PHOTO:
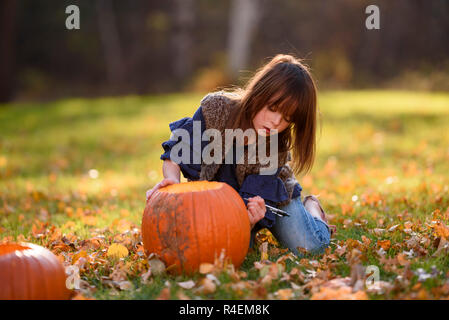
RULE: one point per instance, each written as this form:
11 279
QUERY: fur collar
217 108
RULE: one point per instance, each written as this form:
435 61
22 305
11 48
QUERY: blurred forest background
158 46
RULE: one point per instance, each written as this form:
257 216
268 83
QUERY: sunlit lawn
79 169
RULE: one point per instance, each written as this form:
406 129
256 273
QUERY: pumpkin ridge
243 224
8 268
198 247
36 263
18 269
236 206
26 276
57 273
227 230
159 235
181 256
212 215
42 269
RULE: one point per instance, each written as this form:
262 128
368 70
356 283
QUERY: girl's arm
171 173
171 170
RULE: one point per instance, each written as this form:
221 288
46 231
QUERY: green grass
392 145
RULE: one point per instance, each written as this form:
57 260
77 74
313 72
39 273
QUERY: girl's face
267 119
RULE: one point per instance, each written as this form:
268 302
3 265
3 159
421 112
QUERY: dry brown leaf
284 294
391 229
182 296
357 277
441 230
207 286
342 293
443 247
384 244
164 294
206 268
157 266
117 250
408 225
81 254
119 274
145 276
266 280
402 260
378 231
126 285
263 248
186 284
366 241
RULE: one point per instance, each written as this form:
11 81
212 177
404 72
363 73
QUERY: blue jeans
300 229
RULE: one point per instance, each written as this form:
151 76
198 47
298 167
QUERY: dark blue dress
269 187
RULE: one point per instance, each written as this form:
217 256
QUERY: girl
280 96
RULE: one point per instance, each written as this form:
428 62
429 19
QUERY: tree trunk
110 42
182 42
7 48
244 17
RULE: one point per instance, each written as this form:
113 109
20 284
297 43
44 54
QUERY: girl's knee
322 241
318 243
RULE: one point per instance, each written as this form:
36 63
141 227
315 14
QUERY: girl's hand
163 183
256 209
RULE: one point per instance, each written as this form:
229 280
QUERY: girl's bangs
287 104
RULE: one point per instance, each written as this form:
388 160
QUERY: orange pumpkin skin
31 272
189 223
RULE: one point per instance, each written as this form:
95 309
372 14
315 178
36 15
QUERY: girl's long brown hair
289 79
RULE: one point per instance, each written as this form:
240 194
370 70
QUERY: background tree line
139 47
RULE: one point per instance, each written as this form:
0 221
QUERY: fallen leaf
266 280
117 250
343 293
206 268
378 231
391 229
207 286
402 260
408 225
443 247
81 254
126 285
164 294
187 284
263 251
379 287
157 267
213 278
182 296
441 230
119 273
284 294
145 276
384 244
366 241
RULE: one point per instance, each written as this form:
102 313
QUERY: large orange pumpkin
31 272
189 223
